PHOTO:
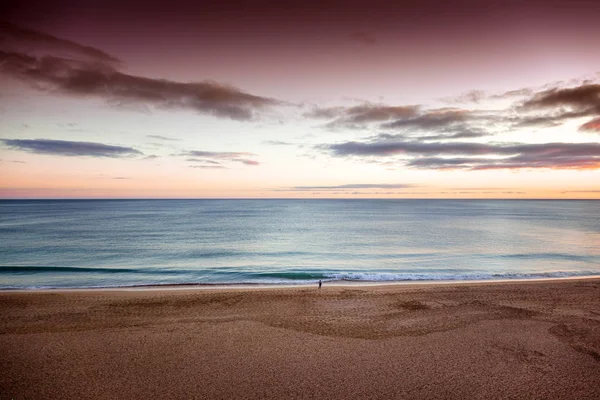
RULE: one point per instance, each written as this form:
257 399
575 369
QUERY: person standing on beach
320 283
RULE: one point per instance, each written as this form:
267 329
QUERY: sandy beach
469 341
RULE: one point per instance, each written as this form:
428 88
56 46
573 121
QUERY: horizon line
294 198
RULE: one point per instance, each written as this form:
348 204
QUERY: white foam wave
391 277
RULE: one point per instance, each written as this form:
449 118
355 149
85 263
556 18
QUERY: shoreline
266 286
525 339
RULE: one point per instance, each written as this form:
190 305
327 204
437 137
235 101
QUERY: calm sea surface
91 243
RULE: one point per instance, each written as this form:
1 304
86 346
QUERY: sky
281 99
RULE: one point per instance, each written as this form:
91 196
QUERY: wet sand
458 341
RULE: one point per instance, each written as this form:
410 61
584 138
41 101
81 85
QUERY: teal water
106 243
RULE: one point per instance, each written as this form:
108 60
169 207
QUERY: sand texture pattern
533 340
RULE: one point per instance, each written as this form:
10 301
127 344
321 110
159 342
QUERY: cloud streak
477 96
591 126
100 78
583 98
28 41
532 109
434 119
69 148
159 137
475 156
208 166
216 158
557 105
431 139
358 116
348 186
444 123
410 120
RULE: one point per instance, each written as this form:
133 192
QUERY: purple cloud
358 116
93 73
218 157
475 156
69 148
27 41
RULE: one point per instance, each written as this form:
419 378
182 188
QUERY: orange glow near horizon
326 102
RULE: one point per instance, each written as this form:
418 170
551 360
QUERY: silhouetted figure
320 283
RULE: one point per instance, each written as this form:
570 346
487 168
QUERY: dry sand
470 341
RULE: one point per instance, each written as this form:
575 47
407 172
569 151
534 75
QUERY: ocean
115 243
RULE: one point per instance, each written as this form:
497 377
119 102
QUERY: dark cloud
349 186
68 148
468 149
218 157
375 112
80 76
548 107
358 116
363 37
433 119
581 98
445 123
84 79
434 124
547 120
517 162
555 106
20 40
476 156
390 148
545 108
